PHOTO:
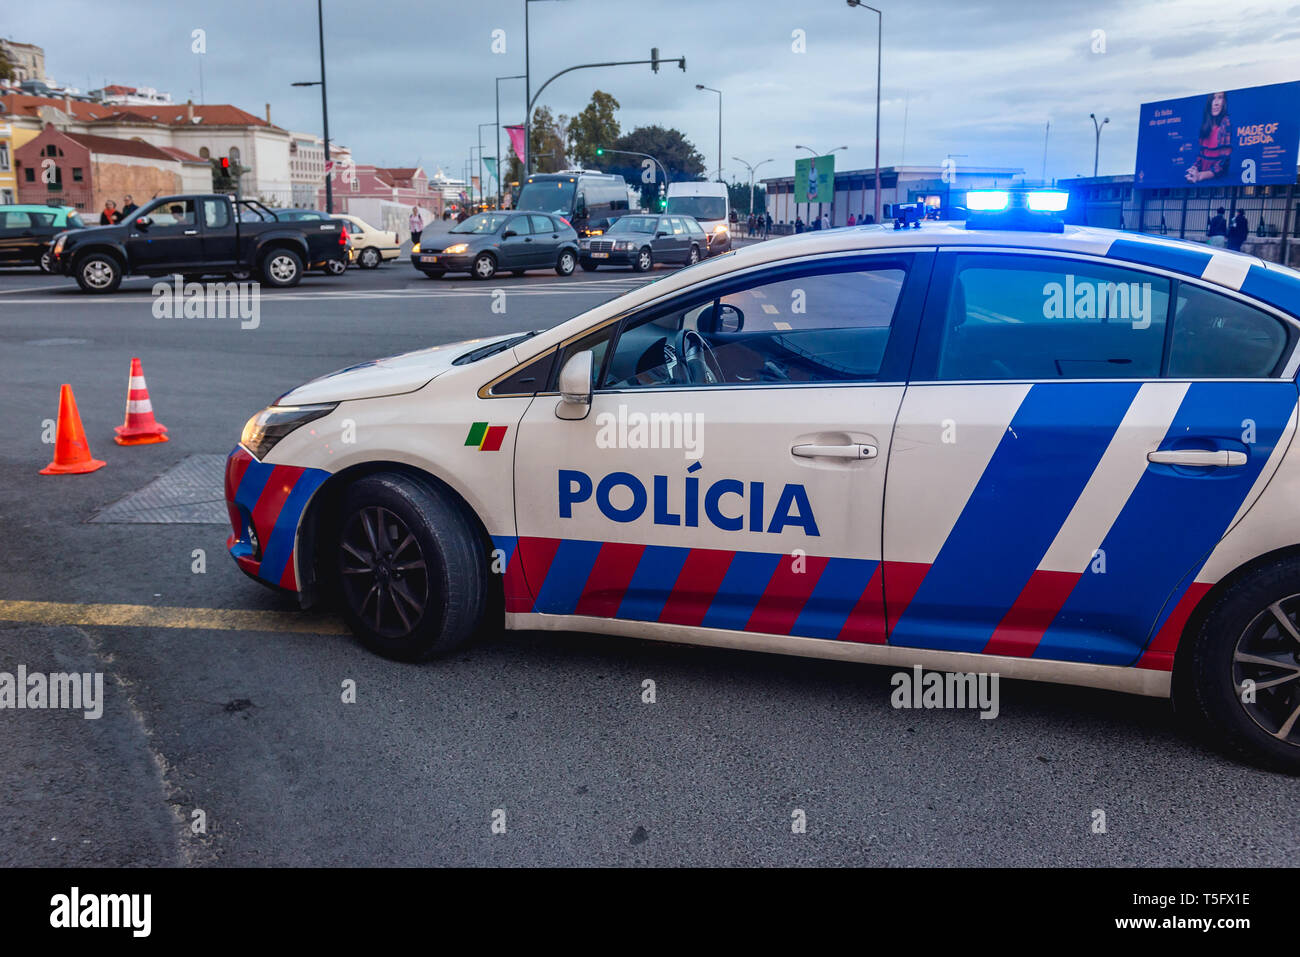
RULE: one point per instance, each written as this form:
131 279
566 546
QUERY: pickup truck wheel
485 266
45 263
281 268
567 262
369 258
99 272
411 571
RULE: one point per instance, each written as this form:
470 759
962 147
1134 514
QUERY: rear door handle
191 232
854 451
1220 457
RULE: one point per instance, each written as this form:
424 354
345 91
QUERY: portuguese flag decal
487 438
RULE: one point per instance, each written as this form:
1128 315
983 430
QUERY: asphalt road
248 726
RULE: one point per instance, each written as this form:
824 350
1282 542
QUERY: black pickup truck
207 234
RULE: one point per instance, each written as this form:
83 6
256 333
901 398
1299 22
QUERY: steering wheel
700 362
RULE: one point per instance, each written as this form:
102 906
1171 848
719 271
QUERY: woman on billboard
1215 139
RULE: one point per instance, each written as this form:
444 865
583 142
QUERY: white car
371 246
1055 453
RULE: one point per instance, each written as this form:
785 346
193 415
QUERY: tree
594 127
739 193
678 155
547 138
6 68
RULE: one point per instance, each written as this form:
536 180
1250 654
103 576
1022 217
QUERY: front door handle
854 451
1220 457
191 232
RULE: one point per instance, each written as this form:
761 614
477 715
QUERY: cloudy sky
410 81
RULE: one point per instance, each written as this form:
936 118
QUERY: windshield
555 196
634 224
701 207
482 223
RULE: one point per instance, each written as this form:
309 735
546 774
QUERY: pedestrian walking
767 225
110 216
798 224
1217 233
826 220
1238 232
416 224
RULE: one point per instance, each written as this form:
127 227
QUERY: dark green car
27 231
488 243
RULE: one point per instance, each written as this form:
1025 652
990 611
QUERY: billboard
1225 138
814 179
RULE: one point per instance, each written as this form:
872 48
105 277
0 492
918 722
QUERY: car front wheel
411 570
99 273
1238 681
485 266
644 261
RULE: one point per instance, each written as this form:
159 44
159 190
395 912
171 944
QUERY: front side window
634 224
831 326
1217 337
482 223
178 212
1043 317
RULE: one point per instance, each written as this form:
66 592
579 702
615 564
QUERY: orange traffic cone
139 427
71 451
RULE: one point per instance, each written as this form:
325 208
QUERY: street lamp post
1096 152
481 194
324 109
880 31
751 178
517 76
701 86
528 83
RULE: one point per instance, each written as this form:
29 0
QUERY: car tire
369 258
410 568
644 261
566 263
484 267
1209 674
99 273
335 267
46 263
694 256
588 266
281 268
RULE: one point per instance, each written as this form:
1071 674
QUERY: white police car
1055 453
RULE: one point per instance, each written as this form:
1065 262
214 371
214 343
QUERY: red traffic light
225 162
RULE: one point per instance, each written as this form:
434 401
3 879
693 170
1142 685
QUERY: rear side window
542 224
216 213
1217 337
1042 317
15 221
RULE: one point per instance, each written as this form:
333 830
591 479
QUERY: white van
710 204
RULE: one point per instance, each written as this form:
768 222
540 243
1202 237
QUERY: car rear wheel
567 262
1238 681
282 268
644 261
485 266
694 256
99 273
411 570
369 258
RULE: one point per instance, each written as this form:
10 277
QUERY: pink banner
517 140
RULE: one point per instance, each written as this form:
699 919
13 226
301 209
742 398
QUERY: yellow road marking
155 616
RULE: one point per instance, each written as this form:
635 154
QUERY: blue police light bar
1016 209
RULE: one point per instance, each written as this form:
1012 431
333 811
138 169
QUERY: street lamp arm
681 61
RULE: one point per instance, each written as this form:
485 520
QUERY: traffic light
654 59
663 200
225 164
600 151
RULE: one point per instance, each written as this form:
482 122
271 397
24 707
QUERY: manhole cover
190 492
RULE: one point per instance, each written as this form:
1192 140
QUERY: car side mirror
143 222
508 234
730 319
660 235
575 386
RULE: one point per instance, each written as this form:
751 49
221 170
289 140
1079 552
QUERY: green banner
491 163
814 179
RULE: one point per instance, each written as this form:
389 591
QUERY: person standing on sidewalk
416 224
1238 231
1217 233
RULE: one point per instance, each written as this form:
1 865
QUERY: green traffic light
600 151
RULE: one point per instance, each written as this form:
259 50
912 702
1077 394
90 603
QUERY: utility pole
701 86
1096 153
880 31
517 76
324 108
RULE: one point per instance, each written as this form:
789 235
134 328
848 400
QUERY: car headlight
58 243
273 423
625 244
458 248
415 248
584 243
